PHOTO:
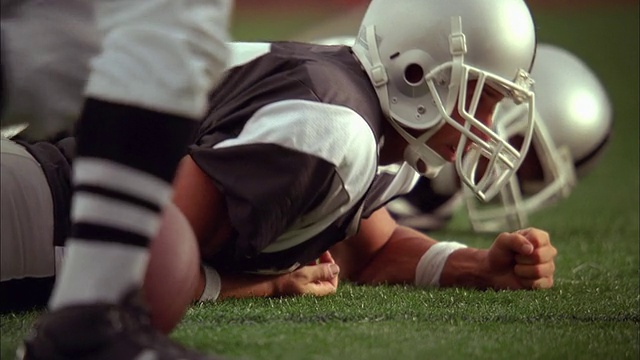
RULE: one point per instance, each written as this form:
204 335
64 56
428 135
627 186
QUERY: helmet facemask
429 104
522 196
503 159
573 124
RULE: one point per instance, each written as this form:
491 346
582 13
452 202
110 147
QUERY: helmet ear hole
421 166
413 74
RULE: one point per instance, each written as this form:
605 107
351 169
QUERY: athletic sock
159 60
122 180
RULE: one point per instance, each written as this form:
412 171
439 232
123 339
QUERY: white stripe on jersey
123 179
405 178
241 53
334 133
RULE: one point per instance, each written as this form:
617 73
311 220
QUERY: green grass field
591 313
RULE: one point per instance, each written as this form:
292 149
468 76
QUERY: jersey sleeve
290 158
266 187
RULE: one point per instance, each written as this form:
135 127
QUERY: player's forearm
247 285
463 268
239 286
397 263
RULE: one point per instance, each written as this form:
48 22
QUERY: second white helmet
574 120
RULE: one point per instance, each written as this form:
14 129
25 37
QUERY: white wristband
432 262
212 284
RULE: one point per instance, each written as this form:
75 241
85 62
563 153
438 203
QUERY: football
173 271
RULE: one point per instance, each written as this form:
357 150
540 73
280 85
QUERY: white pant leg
27 216
46 49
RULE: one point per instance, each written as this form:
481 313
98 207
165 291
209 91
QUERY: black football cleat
102 332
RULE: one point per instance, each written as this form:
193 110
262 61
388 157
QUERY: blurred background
592 313
284 18
603 33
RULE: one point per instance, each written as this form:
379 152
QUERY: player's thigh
27 220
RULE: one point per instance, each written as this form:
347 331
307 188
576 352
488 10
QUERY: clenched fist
523 259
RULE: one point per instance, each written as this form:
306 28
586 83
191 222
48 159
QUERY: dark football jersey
292 139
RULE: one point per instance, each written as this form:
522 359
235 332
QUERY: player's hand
523 259
317 279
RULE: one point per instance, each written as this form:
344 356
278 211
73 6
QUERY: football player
158 60
574 121
304 145
288 162
36 199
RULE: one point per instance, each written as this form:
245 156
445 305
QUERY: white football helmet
573 123
420 56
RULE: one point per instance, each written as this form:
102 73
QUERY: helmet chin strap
418 155
433 162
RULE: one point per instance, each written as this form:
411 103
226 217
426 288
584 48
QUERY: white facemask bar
513 209
504 159
496 149
515 205
494 218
